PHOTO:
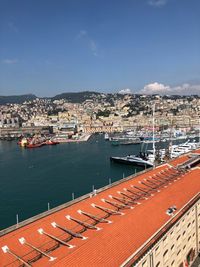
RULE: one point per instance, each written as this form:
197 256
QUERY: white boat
177 150
133 160
106 136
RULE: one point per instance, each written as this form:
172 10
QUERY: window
157 250
165 241
158 264
165 256
178 226
165 253
178 252
178 239
190 255
172 264
172 247
189 238
188 225
144 264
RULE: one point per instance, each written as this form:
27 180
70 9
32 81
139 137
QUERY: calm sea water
30 179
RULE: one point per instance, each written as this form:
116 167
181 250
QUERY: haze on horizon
142 46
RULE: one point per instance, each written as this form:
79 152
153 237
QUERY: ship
125 141
35 142
140 160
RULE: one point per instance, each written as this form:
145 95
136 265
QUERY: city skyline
148 46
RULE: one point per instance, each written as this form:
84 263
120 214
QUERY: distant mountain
77 97
80 97
17 99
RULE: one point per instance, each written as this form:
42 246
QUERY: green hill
77 97
17 99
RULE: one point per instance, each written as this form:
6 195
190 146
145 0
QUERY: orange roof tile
179 160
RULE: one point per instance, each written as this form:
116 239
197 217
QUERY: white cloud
157 3
9 61
91 43
81 34
159 88
187 89
154 88
125 91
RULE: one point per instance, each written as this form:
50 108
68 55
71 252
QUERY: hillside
18 99
77 97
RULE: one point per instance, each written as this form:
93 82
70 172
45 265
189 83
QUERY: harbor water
32 178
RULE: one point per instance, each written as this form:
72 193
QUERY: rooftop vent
170 210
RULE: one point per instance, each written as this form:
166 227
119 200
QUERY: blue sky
53 46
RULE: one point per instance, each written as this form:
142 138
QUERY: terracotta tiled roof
133 211
179 160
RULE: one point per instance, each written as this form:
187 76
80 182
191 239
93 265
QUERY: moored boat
106 136
125 141
133 160
51 142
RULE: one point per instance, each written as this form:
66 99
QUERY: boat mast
199 130
154 149
170 139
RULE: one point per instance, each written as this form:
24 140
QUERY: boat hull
131 162
51 143
33 145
